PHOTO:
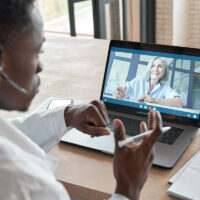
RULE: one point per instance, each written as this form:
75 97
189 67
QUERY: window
56 16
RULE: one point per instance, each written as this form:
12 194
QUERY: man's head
21 35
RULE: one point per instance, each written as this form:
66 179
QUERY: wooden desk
74 69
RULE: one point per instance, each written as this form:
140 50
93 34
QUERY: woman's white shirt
139 86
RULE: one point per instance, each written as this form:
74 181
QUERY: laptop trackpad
76 137
103 143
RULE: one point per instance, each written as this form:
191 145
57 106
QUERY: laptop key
170 136
132 127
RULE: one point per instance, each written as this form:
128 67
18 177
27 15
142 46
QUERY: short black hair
14 16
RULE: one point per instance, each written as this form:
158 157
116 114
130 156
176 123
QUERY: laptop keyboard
133 128
170 136
132 125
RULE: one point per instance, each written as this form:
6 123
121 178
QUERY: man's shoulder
6 147
10 154
26 172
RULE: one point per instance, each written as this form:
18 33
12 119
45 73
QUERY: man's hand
147 98
91 118
133 162
120 92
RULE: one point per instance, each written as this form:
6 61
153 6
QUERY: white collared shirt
26 171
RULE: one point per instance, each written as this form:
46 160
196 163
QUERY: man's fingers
96 131
150 140
150 119
105 110
119 131
94 117
102 110
158 121
143 127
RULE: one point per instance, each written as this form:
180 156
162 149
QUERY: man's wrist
126 190
67 115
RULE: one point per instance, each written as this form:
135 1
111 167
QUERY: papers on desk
186 182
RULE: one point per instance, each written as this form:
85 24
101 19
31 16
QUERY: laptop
128 63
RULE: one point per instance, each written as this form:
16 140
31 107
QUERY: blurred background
173 22
170 22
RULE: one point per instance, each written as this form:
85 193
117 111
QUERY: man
25 170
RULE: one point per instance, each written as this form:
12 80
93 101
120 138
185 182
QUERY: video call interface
151 80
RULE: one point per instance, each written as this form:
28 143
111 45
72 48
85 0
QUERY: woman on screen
153 88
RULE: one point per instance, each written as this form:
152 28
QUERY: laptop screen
153 77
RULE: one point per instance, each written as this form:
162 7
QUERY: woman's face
157 69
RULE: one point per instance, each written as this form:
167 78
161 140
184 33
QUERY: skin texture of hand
147 98
120 92
91 118
133 162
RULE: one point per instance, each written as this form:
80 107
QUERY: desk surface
74 69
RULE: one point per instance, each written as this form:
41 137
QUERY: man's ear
1 54
1 60
1 50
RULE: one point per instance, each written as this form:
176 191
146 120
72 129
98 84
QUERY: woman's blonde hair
164 78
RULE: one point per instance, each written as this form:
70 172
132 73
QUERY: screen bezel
156 48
